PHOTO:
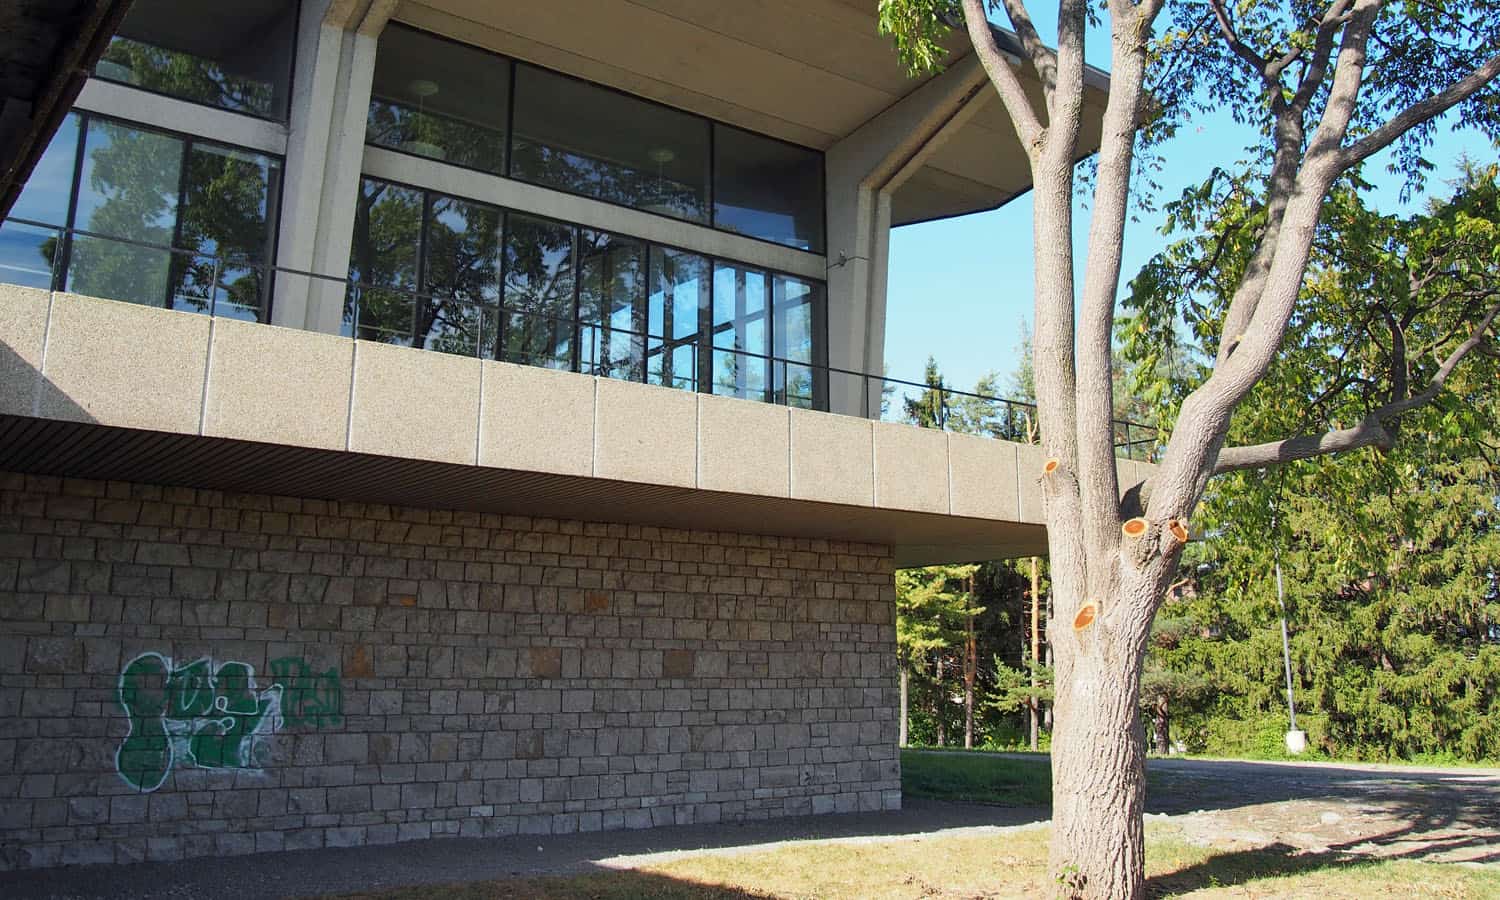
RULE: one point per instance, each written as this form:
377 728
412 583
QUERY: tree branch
1028 127
1041 55
1231 37
1419 112
1371 431
1130 31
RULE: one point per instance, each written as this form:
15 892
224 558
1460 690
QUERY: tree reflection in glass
383 263
128 189
460 307
612 305
31 253
585 139
235 56
538 320
679 296
798 309
439 99
228 198
739 334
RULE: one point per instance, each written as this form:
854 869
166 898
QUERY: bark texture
1311 94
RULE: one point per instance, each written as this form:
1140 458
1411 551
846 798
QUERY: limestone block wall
188 672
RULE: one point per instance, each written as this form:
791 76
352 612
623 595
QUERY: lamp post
1296 739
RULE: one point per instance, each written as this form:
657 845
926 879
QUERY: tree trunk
940 701
1033 703
905 715
1047 709
1162 725
1098 765
971 668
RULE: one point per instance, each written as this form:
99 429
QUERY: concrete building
449 418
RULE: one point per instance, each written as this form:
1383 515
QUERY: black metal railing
455 322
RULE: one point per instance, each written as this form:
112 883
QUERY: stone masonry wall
187 672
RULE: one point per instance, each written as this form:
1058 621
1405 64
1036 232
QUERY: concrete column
325 150
864 169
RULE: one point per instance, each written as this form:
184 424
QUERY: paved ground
1440 814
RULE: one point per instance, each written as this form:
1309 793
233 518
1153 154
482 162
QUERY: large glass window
236 56
587 139
449 102
146 217
680 298
739 333
439 99
429 270
424 270
612 305
30 240
768 189
799 312
540 313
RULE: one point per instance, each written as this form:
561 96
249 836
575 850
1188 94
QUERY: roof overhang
47 49
806 71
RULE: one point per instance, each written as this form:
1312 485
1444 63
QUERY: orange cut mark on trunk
1085 616
1179 530
1134 528
1051 465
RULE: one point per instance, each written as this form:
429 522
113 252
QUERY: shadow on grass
605 885
1241 866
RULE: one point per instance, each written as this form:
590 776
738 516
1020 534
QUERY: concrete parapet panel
538 420
982 477
278 385
1029 461
911 468
645 433
414 403
124 364
743 447
23 328
832 458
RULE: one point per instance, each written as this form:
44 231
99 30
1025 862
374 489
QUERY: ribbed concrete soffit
82 450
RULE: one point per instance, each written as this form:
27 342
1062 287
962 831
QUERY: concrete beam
864 169
565 440
334 70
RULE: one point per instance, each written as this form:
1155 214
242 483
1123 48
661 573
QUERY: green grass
953 866
976 778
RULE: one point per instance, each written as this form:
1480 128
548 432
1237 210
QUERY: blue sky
960 289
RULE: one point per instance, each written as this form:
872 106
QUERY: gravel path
1440 814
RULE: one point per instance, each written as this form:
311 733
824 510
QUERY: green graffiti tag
212 718
308 698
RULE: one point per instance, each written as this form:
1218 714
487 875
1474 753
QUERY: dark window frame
291 82
702 338
713 127
64 259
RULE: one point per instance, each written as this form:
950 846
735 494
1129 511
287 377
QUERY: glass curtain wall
680 298
540 322
129 213
461 105
438 272
439 99
235 56
424 270
586 139
768 189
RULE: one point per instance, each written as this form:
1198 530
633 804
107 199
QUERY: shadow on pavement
447 860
